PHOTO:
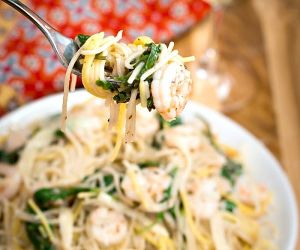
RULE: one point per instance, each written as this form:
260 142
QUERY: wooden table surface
241 36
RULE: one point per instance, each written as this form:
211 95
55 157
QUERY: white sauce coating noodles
172 188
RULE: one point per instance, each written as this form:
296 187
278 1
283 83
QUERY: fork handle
37 20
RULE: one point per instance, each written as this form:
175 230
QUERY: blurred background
247 56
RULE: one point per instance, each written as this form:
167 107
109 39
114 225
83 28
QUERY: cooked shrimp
204 197
107 227
170 89
183 136
187 137
250 192
153 180
11 181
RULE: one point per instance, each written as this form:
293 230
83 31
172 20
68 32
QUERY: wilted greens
82 38
10 157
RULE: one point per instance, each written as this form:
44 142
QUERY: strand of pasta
66 87
43 220
120 131
110 41
201 238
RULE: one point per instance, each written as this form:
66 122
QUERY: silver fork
63 46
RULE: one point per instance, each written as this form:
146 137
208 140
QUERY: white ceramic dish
261 164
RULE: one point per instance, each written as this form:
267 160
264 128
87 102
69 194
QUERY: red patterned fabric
29 67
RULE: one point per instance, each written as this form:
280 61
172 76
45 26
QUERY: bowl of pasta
197 182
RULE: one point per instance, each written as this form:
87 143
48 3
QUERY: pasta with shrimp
144 72
175 187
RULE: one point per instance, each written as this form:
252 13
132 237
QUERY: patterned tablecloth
29 68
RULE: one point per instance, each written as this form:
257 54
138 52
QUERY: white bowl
261 163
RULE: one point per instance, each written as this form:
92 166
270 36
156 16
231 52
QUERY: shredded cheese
144 93
108 41
205 172
201 238
43 219
137 187
150 238
188 59
159 241
251 211
135 72
142 40
230 217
